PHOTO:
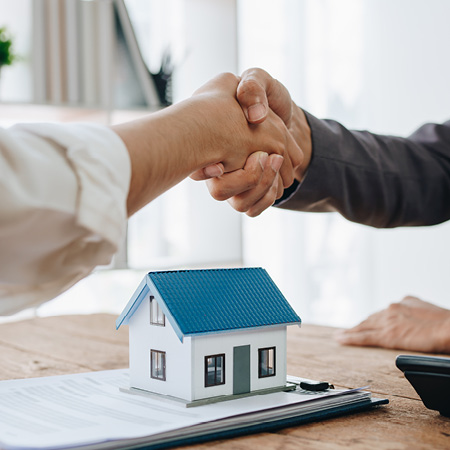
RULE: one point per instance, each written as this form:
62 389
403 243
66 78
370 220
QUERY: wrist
183 134
301 131
199 119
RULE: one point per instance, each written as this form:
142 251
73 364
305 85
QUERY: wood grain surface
71 344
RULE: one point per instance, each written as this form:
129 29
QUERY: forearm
382 181
164 148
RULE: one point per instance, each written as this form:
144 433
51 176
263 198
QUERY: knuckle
255 73
275 147
238 205
253 213
220 195
248 89
216 191
394 309
227 76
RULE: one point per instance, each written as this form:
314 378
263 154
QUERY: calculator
430 377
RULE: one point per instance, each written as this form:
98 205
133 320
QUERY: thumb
211 171
257 91
251 95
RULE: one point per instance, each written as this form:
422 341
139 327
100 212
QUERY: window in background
351 61
15 81
185 226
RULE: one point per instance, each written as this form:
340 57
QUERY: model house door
241 369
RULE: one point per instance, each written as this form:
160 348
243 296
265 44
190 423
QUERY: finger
251 95
369 324
363 338
254 201
265 202
253 82
280 187
241 180
212 171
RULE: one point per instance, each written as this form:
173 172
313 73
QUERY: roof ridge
219 269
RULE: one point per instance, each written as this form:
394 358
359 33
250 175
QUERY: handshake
265 137
244 135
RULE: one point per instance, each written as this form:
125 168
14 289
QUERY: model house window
156 315
214 370
158 365
266 362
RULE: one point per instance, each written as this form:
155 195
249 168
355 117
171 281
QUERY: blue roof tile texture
206 301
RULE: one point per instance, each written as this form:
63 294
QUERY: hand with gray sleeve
376 180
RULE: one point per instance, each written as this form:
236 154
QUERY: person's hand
209 128
412 325
259 94
229 130
254 173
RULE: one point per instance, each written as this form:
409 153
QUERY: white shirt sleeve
63 191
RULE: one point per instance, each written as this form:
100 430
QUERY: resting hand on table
412 325
257 186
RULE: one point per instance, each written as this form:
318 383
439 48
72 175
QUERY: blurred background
380 65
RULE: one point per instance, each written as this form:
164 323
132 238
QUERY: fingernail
277 161
213 171
256 112
263 159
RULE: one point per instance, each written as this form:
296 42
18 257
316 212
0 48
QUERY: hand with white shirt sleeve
67 189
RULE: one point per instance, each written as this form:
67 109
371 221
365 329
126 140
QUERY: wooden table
70 344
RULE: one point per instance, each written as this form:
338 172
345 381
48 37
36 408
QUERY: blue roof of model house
215 300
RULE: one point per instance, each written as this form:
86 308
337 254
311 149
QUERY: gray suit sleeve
381 181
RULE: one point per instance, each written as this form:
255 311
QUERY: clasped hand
256 185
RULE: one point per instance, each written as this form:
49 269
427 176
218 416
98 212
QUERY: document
88 410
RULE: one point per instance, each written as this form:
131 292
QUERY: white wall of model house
185 361
145 337
225 343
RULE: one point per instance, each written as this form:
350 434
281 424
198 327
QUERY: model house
208 334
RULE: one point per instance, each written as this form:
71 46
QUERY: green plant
7 55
